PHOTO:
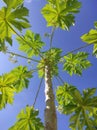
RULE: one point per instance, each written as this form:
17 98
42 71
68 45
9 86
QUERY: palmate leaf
76 63
81 120
51 58
31 44
13 14
12 82
63 94
83 108
60 13
7 89
91 38
28 120
22 77
64 98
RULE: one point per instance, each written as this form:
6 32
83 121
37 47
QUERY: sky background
67 40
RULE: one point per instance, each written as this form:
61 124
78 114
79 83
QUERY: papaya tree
46 60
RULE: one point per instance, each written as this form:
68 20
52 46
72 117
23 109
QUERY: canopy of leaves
7 89
22 77
12 15
82 107
75 63
60 13
28 120
91 38
31 43
51 59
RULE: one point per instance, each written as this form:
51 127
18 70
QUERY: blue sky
67 40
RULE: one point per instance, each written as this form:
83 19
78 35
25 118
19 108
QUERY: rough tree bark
50 110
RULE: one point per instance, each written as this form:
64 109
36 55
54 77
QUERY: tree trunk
50 110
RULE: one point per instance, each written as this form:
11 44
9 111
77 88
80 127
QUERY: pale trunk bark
50 110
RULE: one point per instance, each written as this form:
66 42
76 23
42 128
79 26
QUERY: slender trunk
50 110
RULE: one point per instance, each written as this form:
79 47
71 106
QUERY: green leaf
9 40
95 24
13 15
51 58
28 120
14 3
91 38
77 97
3 47
95 50
31 44
89 122
89 92
65 99
83 107
60 13
19 21
81 119
5 31
63 94
7 89
22 77
12 82
77 121
76 63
